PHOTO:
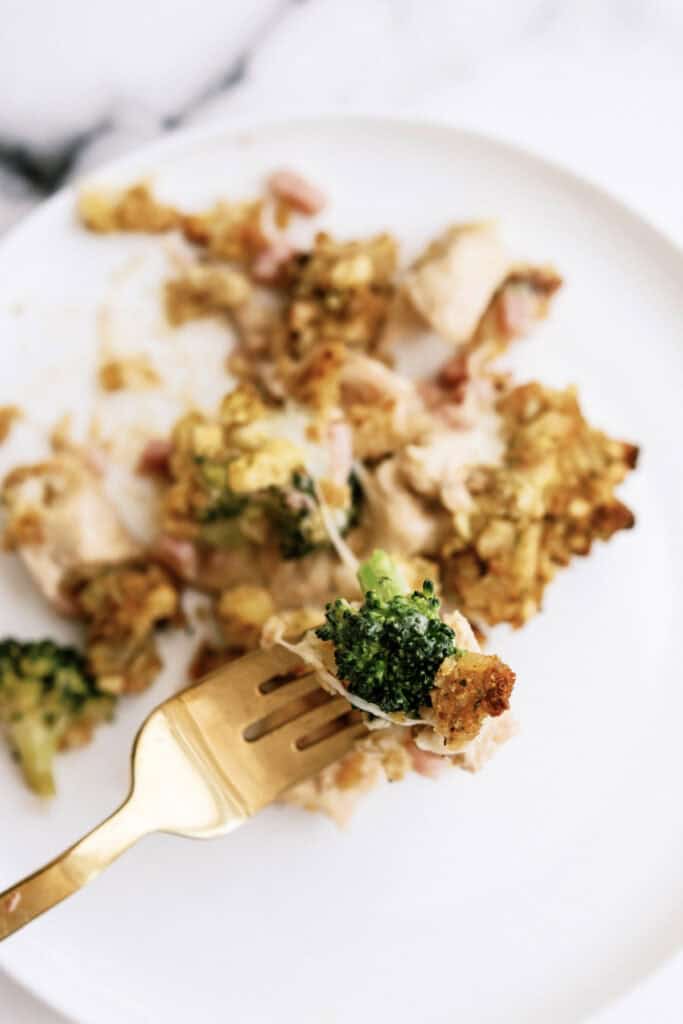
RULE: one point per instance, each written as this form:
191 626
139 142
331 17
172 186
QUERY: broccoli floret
294 513
388 651
222 503
48 700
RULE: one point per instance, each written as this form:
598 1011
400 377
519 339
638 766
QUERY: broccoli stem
36 746
381 575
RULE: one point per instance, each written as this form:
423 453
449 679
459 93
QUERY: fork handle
71 870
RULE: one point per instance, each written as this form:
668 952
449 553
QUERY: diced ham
179 555
519 304
425 763
268 264
517 311
340 445
295 190
154 458
95 458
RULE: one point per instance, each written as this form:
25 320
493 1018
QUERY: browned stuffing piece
553 495
205 289
121 606
134 209
470 687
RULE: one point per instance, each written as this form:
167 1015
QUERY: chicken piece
268 266
401 520
519 304
312 580
336 790
122 605
58 519
437 467
385 410
452 282
202 290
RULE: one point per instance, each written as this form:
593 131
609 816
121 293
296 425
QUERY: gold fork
203 763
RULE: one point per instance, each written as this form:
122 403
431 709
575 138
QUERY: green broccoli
294 513
48 700
221 502
388 651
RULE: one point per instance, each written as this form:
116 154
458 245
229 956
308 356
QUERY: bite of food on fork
266 722
203 763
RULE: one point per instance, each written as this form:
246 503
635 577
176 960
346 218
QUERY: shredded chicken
520 303
58 519
384 409
452 282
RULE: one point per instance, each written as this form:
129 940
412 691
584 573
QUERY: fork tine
301 686
307 723
236 686
317 757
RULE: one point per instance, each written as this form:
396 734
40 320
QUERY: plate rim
231 127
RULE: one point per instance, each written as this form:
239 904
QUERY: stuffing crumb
134 209
129 373
122 605
204 290
550 499
8 415
242 612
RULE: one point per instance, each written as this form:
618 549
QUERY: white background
595 84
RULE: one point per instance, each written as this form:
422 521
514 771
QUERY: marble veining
596 86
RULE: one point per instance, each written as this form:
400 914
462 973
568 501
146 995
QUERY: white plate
536 891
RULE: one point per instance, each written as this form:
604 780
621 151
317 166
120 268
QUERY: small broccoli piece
389 650
294 513
221 502
48 701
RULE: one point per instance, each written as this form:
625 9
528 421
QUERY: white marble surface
595 85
